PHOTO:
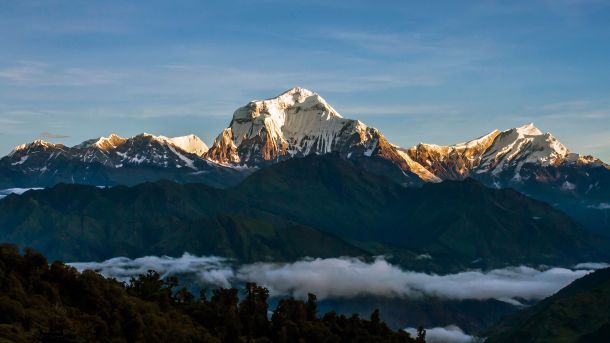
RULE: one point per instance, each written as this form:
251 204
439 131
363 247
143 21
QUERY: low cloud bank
601 206
347 278
210 270
448 334
350 277
592 265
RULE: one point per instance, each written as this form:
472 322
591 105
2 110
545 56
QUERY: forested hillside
55 303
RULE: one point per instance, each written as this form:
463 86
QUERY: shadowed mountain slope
578 313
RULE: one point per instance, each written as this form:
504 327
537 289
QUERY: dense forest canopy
41 302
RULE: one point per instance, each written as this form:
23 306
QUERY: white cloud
423 45
346 278
208 270
592 265
38 74
448 334
50 135
350 277
566 105
601 206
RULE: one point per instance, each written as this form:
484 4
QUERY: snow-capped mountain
298 123
517 147
161 151
117 152
498 154
112 160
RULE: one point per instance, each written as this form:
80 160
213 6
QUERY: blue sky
439 72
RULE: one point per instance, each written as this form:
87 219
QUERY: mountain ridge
300 123
113 160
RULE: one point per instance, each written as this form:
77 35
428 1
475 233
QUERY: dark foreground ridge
55 303
578 313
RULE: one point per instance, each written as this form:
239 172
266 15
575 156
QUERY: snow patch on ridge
190 143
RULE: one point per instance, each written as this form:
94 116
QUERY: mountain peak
297 91
189 143
297 122
522 145
497 152
110 142
528 130
293 122
39 143
294 101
